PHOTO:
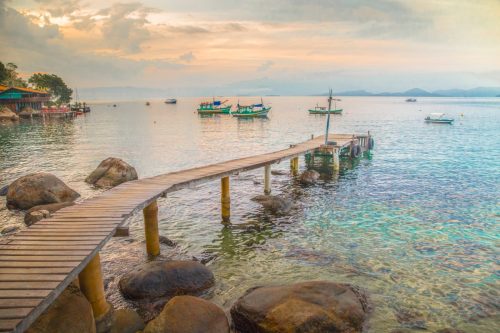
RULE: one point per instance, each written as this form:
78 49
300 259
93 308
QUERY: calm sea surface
416 224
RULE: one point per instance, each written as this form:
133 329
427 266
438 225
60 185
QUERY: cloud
265 66
59 8
187 57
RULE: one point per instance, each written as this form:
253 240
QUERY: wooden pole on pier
151 229
225 199
267 179
91 285
294 164
336 160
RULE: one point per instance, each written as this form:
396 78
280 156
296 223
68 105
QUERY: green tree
54 85
10 77
3 73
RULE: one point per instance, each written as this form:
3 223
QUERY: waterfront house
17 98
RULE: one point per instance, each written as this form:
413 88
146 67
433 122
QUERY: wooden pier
38 263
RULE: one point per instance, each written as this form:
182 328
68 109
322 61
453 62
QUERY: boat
411 100
252 110
79 107
170 101
438 118
323 110
148 104
214 107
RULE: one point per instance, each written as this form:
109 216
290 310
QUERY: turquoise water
416 224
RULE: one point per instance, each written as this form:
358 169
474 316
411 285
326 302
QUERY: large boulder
70 312
309 177
38 189
35 216
7 115
166 278
308 307
111 172
188 314
51 208
126 321
275 204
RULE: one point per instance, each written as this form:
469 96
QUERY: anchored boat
252 111
170 101
411 100
438 118
323 110
214 107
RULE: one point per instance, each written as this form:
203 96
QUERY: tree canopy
10 77
54 85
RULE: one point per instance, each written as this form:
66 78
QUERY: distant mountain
416 92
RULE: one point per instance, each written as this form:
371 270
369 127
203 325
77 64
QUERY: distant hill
416 92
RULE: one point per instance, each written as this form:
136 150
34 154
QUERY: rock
188 314
309 177
279 172
3 191
38 189
111 172
410 319
308 307
28 112
166 278
275 204
51 208
167 241
449 330
126 321
401 330
10 229
35 216
7 115
70 312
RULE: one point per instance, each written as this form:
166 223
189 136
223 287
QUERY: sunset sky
256 46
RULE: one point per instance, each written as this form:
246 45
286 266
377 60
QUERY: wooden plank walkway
38 263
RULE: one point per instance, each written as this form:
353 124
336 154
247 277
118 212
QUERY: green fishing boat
323 110
214 107
252 111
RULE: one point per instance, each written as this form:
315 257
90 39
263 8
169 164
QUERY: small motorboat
438 118
411 100
148 104
252 111
170 101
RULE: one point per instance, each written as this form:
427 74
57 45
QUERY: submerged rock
126 321
38 189
308 307
166 278
112 172
167 241
449 330
35 216
275 204
4 190
279 172
7 115
70 312
309 177
188 314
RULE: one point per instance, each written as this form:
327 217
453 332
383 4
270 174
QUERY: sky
258 47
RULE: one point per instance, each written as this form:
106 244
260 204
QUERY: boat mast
328 117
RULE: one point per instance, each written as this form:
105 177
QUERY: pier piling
294 164
225 199
151 228
267 179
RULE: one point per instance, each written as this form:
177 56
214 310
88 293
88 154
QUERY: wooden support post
92 287
225 199
294 164
267 179
336 160
151 229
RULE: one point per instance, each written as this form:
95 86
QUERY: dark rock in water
162 278
309 177
70 312
35 216
410 319
4 190
401 330
6 115
126 321
38 189
188 314
51 208
167 241
275 204
10 229
279 172
308 307
111 172
449 330
205 257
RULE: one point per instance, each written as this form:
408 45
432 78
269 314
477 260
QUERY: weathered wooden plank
31 277
36 270
56 252
28 285
14 313
58 238
64 232
45 247
53 242
9 303
24 293
7 325
40 258
41 264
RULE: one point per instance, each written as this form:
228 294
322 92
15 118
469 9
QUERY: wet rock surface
126 321
188 314
275 204
35 216
449 330
7 115
38 189
70 312
112 172
161 278
308 307
167 241
309 177
279 172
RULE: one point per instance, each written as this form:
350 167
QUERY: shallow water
416 224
